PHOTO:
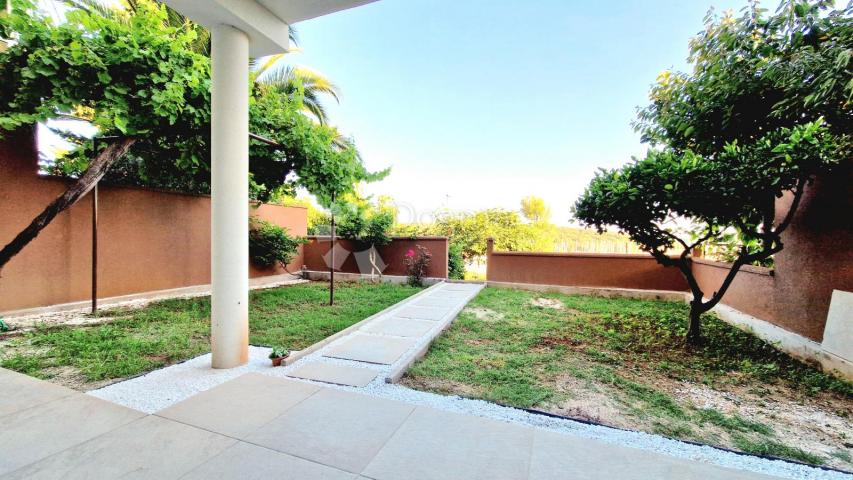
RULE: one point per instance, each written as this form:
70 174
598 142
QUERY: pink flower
410 253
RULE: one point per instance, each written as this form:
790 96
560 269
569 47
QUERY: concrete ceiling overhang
266 22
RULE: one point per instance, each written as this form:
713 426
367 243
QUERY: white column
229 329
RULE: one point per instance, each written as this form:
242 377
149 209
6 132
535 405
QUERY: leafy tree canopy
471 230
138 75
365 222
136 79
535 210
766 108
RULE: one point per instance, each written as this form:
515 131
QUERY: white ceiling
264 21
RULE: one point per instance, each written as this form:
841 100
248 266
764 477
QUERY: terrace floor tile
557 456
437 445
245 461
35 433
240 406
337 374
340 429
151 447
18 392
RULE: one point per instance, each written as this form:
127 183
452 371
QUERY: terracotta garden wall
392 255
148 240
601 270
817 258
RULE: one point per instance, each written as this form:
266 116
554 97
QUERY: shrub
270 244
416 265
455 262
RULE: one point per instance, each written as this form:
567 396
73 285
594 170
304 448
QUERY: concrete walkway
381 348
260 427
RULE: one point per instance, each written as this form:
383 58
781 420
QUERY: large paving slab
370 349
400 327
431 301
34 433
451 294
423 313
459 287
336 374
245 461
151 447
18 391
240 406
436 445
558 457
339 429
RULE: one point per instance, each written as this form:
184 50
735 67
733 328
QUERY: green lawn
169 331
623 362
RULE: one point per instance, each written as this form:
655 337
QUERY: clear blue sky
477 103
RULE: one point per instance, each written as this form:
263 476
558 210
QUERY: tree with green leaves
471 230
535 210
141 80
365 224
766 109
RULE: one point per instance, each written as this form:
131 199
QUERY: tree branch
795 204
674 237
743 259
97 168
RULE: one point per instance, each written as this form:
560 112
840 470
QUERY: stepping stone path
384 346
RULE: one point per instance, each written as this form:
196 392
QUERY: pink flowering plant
417 260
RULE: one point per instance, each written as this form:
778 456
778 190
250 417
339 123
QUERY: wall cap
108 185
629 256
727 266
392 238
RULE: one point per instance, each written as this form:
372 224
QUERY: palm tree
273 71
269 70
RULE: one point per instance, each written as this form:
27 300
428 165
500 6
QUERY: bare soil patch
551 303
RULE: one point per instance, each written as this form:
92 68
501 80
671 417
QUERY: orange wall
817 257
582 270
392 254
148 240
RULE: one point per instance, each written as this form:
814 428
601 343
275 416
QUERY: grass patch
513 347
776 449
733 423
171 331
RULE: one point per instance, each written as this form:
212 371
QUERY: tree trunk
694 336
97 168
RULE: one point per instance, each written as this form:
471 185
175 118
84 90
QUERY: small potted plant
278 354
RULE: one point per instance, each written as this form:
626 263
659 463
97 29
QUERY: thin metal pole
332 267
95 228
95 249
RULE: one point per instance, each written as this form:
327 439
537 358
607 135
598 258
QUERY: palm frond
288 79
293 35
100 8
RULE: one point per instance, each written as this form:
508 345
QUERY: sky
478 103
